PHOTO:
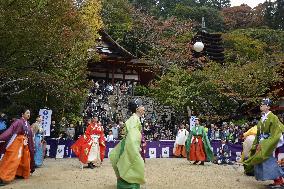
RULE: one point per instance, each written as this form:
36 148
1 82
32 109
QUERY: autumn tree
257 19
161 41
226 90
237 17
252 68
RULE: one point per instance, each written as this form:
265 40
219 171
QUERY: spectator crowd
153 131
105 100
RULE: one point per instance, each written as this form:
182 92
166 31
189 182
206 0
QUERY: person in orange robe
17 148
90 148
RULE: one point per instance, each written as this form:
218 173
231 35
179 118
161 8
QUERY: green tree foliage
144 5
185 9
116 15
274 14
279 14
252 44
239 46
43 53
269 11
172 88
219 4
222 91
214 20
141 90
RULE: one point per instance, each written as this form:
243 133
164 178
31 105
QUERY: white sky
251 3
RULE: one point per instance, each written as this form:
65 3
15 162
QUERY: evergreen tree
146 5
269 14
219 4
279 15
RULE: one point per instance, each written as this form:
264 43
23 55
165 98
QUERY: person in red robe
90 148
17 150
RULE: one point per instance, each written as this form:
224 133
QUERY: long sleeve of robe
274 128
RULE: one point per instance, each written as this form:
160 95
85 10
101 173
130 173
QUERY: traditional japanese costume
179 148
198 146
91 146
38 140
126 158
269 136
18 151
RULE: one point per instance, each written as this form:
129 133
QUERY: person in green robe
262 161
198 146
125 158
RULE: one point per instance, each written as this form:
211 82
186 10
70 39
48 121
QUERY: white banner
60 151
47 150
166 152
152 153
46 120
192 122
239 156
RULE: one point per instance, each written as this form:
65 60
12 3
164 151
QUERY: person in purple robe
17 150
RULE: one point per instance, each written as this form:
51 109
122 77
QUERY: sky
251 3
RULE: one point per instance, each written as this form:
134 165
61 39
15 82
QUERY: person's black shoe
202 163
91 165
195 162
19 177
249 174
2 183
273 186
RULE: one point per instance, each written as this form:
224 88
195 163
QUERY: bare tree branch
13 81
15 93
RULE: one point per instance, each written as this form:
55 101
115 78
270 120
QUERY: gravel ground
160 174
